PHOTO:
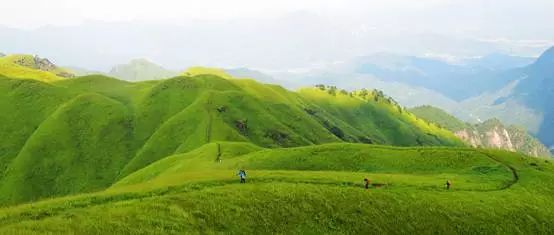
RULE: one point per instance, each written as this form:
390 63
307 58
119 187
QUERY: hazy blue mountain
497 61
253 74
454 81
493 86
415 81
141 70
525 102
537 92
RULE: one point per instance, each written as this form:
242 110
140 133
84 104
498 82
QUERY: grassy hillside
26 67
388 122
83 134
97 155
490 134
314 189
24 105
76 149
440 117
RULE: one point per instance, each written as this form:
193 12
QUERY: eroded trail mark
515 176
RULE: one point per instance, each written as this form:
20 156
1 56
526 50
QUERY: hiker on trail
242 175
366 182
448 183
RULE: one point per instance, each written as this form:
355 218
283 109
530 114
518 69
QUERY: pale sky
67 12
272 34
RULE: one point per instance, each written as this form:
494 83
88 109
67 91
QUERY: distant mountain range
516 90
439 76
497 61
536 91
511 88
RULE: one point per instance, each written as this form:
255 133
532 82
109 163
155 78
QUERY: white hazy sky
34 13
288 32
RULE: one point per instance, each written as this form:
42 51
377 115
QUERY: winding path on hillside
79 202
91 200
515 176
207 106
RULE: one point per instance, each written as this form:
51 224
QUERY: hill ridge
156 119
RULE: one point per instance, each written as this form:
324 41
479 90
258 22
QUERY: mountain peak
142 61
547 58
140 70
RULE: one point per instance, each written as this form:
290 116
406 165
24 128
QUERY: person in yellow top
366 183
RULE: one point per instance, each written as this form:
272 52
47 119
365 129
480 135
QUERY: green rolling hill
313 189
97 155
84 134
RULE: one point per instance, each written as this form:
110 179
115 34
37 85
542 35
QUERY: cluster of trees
332 90
375 94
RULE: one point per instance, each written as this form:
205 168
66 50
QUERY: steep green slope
24 105
92 130
79 148
440 117
490 134
492 192
375 117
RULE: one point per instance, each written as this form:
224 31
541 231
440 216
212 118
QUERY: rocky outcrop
492 134
489 134
471 137
43 64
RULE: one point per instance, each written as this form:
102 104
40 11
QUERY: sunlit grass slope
313 189
474 168
376 118
24 105
24 69
83 134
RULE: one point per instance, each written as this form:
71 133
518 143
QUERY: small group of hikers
367 182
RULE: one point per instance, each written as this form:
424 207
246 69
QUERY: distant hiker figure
366 183
448 183
242 175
